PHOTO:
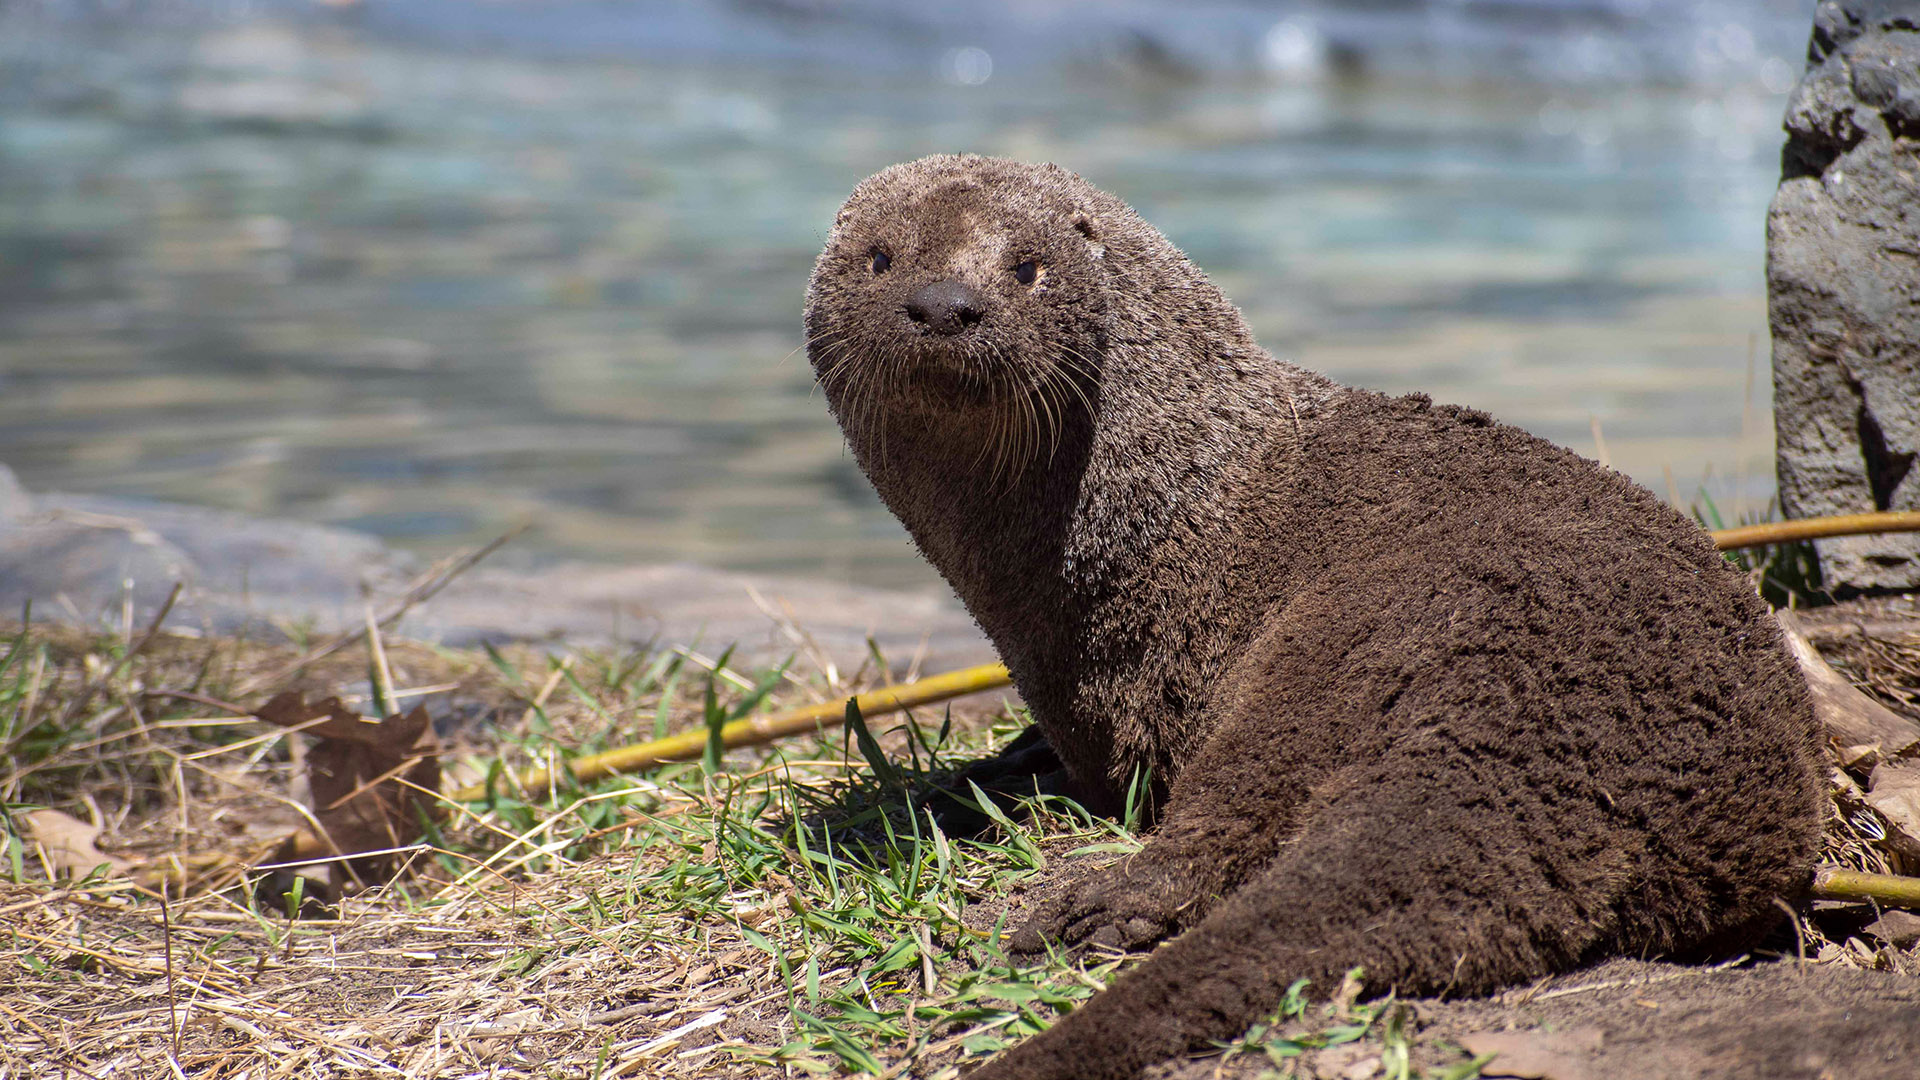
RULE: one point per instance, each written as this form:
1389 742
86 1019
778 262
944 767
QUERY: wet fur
1417 691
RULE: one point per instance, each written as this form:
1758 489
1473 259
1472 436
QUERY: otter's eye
881 262
1026 272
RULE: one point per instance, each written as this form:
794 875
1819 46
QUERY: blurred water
429 267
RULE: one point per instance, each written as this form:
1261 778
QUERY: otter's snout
946 307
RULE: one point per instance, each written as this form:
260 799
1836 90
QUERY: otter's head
964 297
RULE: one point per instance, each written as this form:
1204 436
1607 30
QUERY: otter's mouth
947 377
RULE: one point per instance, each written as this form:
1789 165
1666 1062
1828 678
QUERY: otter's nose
946 307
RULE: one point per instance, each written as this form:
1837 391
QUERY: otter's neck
1001 542
1119 530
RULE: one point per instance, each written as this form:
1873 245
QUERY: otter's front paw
1111 907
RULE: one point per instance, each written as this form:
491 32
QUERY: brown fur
1418 691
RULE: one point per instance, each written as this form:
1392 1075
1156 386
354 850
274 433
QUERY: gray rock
86 569
96 561
15 503
1843 276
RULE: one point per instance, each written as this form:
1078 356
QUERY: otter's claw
1111 909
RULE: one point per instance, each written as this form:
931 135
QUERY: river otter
1415 690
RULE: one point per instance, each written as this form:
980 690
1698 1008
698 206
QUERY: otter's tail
1291 921
1433 884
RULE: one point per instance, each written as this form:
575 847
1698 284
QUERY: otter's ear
1083 224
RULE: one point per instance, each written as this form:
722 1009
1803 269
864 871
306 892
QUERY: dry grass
781 914
773 915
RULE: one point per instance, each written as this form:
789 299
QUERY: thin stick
754 731
423 590
1834 883
92 686
382 675
1741 469
202 699
1529 997
166 943
1783 532
546 690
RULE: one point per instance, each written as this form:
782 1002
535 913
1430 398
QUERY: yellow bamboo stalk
753 731
1782 532
1833 883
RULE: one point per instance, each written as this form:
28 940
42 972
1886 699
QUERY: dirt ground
1651 1021
1778 1020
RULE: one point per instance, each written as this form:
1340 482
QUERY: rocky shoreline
97 561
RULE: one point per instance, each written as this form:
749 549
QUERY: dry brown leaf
69 844
1900 929
367 778
1862 730
1894 793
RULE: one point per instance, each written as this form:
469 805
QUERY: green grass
1787 575
860 903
